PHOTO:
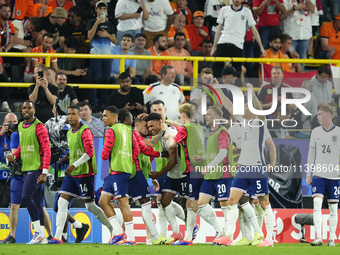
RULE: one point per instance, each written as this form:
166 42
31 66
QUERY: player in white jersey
252 173
323 161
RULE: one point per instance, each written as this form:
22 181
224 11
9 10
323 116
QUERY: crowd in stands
230 28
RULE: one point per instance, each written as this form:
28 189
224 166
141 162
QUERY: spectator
53 24
130 64
23 9
297 24
100 32
159 21
179 27
76 27
66 4
43 94
46 47
8 33
159 49
183 69
315 20
276 130
329 39
286 47
233 20
130 15
43 9
70 66
5 145
144 72
274 52
66 95
333 7
88 9
51 74
205 52
322 87
197 32
182 7
162 89
4 95
130 98
268 13
28 33
265 94
96 125
212 9
206 77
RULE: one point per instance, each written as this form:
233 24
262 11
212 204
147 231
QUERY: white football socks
317 215
250 214
248 229
129 231
149 220
232 218
191 220
208 214
100 215
117 228
269 219
170 215
225 212
77 224
163 223
61 217
178 210
259 214
333 220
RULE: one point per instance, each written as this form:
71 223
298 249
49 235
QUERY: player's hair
153 116
156 38
124 75
186 109
206 41
217 110
123 114
274 37
179 34
324 69
207 70
164 70
157 102
194 104
28 101
71 42
4 5
51 68
277 67
127 36
76 10
285 38
49 35
139 120
84 103
112 109
74 106
61 73
36 23
43 67
327 108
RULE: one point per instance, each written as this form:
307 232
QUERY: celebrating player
79 179
253 172
122 149
323 161
35 154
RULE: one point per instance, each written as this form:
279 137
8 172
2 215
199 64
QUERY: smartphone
41 74
140 9
103 15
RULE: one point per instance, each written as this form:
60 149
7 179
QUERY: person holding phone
130 15
43 94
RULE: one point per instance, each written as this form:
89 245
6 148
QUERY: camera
16 167
13 127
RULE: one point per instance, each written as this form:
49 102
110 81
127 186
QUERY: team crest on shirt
269 91
243 17
314 189
334 138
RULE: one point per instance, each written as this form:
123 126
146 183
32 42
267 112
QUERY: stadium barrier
122 58
286 230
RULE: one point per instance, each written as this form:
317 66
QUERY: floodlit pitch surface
140 249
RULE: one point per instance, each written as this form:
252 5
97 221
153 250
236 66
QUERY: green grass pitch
141 249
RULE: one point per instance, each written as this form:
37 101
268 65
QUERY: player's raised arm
225 101
256 102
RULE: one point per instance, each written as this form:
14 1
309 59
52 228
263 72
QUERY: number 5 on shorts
258 184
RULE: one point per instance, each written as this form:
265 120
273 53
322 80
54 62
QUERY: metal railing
122 58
